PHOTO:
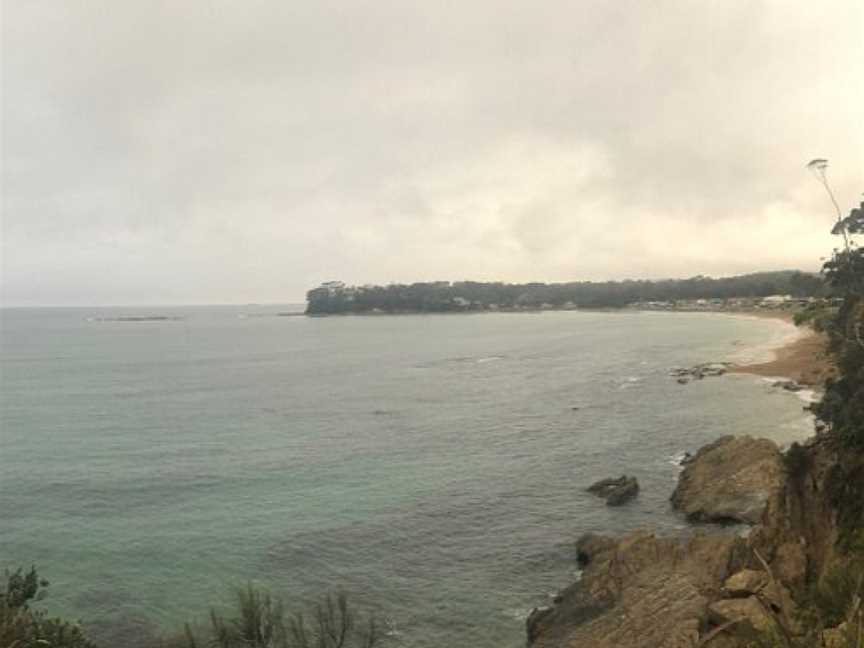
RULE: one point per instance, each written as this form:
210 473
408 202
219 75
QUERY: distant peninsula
335 297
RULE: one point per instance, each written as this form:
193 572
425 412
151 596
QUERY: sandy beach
803 359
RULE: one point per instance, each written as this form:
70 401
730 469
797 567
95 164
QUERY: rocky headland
720 588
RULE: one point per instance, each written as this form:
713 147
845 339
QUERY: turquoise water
431 466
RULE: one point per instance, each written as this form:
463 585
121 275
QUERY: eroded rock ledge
713 590
640 590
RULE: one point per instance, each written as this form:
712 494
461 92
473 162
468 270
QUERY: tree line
444 296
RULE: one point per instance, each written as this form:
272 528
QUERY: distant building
333 286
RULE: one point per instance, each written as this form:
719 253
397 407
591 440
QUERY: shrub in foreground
21 626
258 620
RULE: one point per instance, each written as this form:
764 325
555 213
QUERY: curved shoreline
802 357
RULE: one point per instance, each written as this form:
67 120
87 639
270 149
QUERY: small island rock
616 491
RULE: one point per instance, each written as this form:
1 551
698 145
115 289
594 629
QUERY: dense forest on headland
444 296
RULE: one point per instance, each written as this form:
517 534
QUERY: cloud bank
215 151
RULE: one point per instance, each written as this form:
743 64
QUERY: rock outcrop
641 590
730 480
700 371
616 491
718 590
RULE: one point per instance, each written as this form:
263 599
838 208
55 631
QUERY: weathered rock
730 480
799 532
616 491
746 582
593 546
624 493
646 592
700 371
642 592
788 385
754 583
790 563
743 610
605 486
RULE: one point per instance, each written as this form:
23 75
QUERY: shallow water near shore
433 466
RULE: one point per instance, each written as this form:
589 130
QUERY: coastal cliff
796 579
720 589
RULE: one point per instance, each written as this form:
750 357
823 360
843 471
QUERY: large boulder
616 490
730 480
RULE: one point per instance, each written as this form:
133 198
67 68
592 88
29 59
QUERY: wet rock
730 480
788 385
699 371
616 491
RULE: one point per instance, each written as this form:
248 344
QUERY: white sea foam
629 382
677 459
786 333
519 614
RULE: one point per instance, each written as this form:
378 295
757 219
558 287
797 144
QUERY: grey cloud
224 151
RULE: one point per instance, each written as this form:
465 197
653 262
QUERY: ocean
431 466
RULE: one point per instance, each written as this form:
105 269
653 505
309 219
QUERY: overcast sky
207 151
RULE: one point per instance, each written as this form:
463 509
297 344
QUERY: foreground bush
259 621
23 627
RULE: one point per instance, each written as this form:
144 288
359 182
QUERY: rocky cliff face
639 590
717 590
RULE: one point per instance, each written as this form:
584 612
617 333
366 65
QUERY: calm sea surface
432 466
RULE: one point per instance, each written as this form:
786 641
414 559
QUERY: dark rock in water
623 494
616 491
603 486
700 371
788 385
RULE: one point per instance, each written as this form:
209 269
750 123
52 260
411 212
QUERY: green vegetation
22 626
443 296
836 594
832 613
259 621
832 609
842 407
